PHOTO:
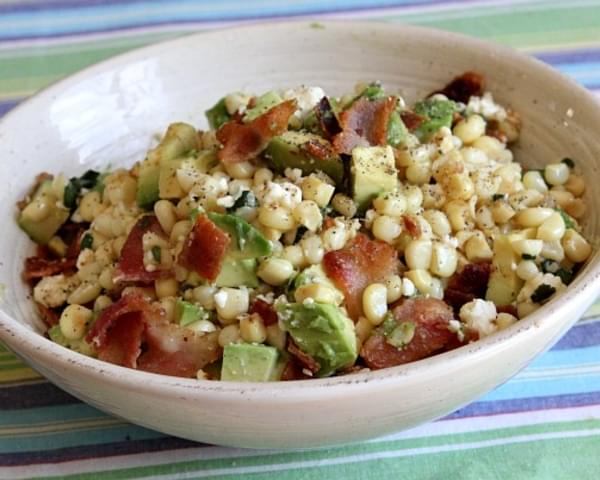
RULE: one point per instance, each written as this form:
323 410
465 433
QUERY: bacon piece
431 318
511 309
464 87
130 267
468 284
364 123
492 129
38 267
411 120
123 343
411 225
303 358
204 249
327 119
133 333
360 263
317 149
243 141
293 371
49 316
265 310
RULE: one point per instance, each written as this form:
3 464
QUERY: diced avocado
504 284
179 139
397 132
437 113
316 274
237 273
187 313
80 345
247 241
322 331
373 171
263 104
217 115
42 230
245 362
289 151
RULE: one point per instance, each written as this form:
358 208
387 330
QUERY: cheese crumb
479 315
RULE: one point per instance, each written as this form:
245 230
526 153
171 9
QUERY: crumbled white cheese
53 291
306 99
479 315
285 194
221 298
486 107
293 174
236 102
227 201
308 301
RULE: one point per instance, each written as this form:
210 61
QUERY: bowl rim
584 289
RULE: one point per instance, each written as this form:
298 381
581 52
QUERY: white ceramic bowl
108 113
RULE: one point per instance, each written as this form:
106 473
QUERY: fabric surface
543 424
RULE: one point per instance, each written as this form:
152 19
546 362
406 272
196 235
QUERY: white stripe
433 429
175 27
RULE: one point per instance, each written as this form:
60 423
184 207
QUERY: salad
305 235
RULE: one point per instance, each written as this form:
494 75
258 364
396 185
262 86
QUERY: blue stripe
580 336
6 105
570 56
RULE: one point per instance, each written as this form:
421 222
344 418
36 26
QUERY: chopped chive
568 162
542 293
498 196
87 241
526 256
156 253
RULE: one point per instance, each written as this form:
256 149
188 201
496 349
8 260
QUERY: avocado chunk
504 284
217 115
55 334
246 362
178 140
322 331
187 313
247 241
237 273
264 103
373 171
42 230
437 113
316 274
289 150
397 132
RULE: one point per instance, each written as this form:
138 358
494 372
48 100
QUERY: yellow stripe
18 374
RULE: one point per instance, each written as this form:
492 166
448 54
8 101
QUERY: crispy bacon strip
38 267
411 120
364 123
464 87
327 119
49 316
317 149
243 141
468 284
130 267
303 358
357 265
431 318
411 225
293 371
265 310
134 333
205 248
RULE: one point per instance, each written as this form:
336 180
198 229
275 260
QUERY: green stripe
287 457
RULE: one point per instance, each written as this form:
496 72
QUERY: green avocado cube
246 362
237 273
217 115
288 151
247 241
323 331
187 313
263 104
373 171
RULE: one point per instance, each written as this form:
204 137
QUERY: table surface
543 424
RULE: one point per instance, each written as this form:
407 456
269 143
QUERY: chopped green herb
195 213
246 199
568 162
543 293
498 196
396 133
388 324
526 256
300 231
73 188
402 335
568 219
156 253
87 241
566 276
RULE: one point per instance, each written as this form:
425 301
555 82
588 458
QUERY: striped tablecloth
543 424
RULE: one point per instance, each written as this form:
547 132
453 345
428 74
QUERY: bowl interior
111 113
